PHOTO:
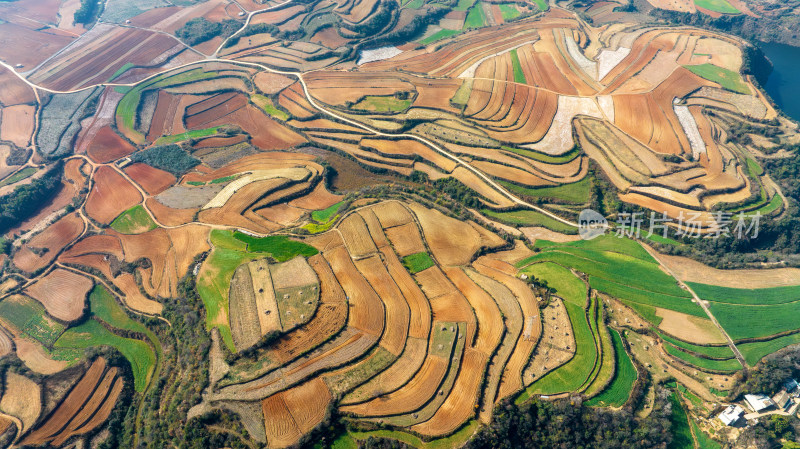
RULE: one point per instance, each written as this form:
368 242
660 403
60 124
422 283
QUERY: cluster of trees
88 11
768 377
26 200
201 29
568 423
171 158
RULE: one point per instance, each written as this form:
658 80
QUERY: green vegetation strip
383 103
30 318
575 193
717 6
703 440
530 218
542 157
716 352
194 134
92 333
726 78
542 4
417 262
756 321
324 215
756 296
681 433
451 442
476 18
280 247
439 35
754 352
133 221
266 104
519 75
509 11
616 394
25 173
729 365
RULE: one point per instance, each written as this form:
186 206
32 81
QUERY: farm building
731 415
759 402
792 387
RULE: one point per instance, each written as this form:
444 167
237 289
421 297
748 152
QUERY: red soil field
14 90
167 215
490 319
367 310
17 124
410 396
107 146
329 319
216 142
110 196
70 406
459 405
319 198
397 311
63 293
152 180
26 46
420 317
267 133
308 403
55 237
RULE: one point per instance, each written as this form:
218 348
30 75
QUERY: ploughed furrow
419 389
531 323
512 317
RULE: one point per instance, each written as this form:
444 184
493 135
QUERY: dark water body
783 84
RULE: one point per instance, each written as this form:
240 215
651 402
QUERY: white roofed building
731 415
758 402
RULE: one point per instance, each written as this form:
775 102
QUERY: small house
782 400
731 415
759 402
791 386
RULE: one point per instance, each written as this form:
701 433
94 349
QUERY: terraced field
278 219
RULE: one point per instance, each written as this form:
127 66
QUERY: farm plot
63 293
111 195
46 245
617 392
24 316
133 221
59 121
75 415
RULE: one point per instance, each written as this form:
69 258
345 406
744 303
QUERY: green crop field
316 228
92 333
509 11
717 6
574 373
25 173
530 218
756 321
566 284
621 268
453 441
726 78
224 179
417 262
30 317
439 35
703 440
214 280
476 18
324 215
133 221
753 168
267 106
755 351
616 394
681 432
575 193
382 103
774 204
729 365
104 306
193 134
121 70
464 5
604 368
542 4
759 296
279 247
519 75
